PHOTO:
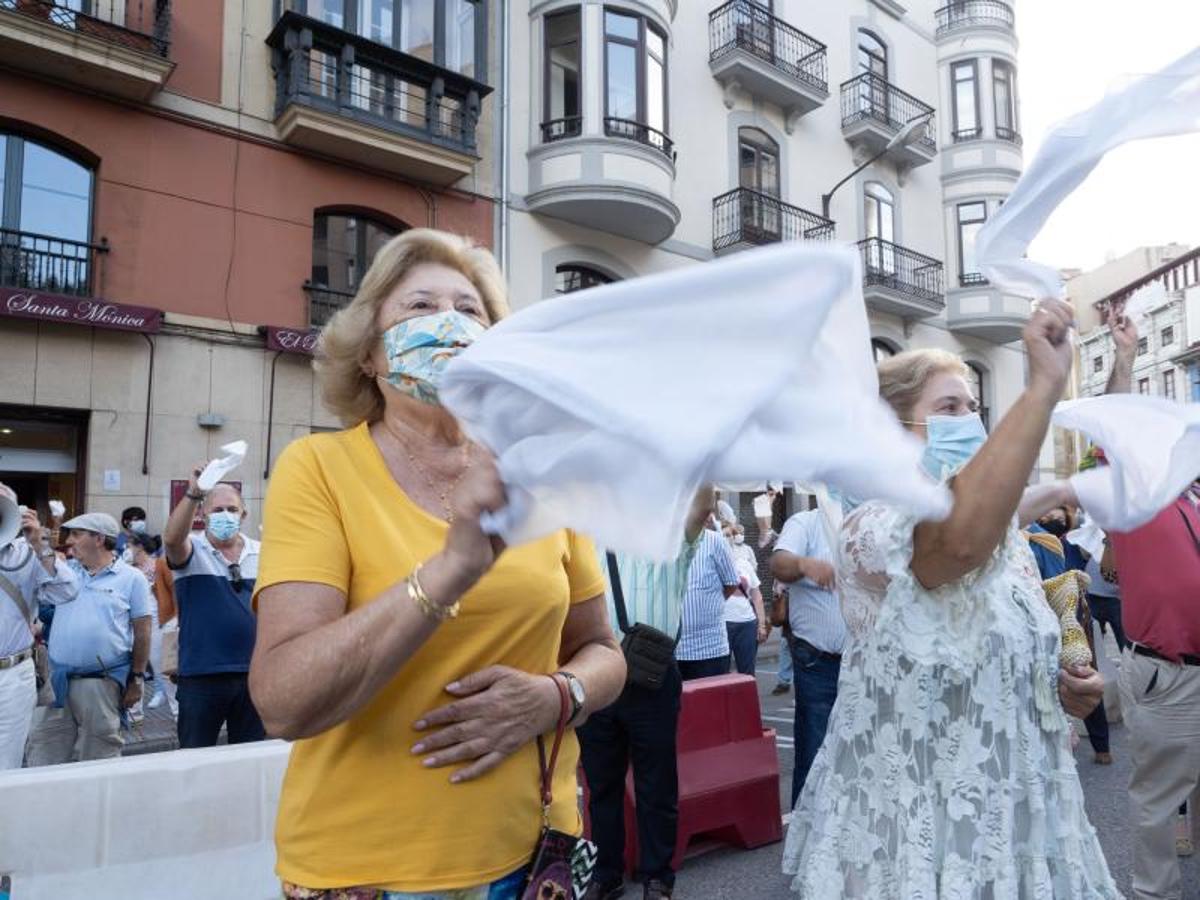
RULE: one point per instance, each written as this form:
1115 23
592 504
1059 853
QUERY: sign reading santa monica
25 304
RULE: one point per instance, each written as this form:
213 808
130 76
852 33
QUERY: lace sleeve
880 596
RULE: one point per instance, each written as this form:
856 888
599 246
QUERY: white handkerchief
1088 537
1153 450
604 414
1164 103
235 452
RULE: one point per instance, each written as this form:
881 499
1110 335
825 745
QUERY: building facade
650 134
185 194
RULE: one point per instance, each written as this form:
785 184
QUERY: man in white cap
30 573
99 646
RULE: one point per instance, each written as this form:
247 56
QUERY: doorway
43 456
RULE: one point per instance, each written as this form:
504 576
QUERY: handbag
170 652
562 864
779 609
648 651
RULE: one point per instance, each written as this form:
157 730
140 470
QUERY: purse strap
547 771
618 592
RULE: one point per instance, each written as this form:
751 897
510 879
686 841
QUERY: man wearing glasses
214 581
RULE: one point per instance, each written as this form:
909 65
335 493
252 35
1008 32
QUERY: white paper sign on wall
112 479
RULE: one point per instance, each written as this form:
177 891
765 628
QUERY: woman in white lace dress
947 769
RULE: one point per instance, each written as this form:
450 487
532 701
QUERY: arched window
872 54
873 75
343 246
881 350
572 277
879 221
45 218
977 382
758 161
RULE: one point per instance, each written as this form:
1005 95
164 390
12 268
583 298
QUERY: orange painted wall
196 35
166 194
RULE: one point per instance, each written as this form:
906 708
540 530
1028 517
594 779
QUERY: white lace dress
947 770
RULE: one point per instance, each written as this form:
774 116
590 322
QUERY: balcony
118 47
753 50
900 281
967 14
351 98
744 218
323 302
978 309
1008 134
874 111
49 265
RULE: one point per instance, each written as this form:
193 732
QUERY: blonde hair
903 377
352 334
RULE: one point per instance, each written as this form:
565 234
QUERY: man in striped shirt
640 729
712 578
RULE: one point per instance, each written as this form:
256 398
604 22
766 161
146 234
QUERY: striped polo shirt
712 570
216 623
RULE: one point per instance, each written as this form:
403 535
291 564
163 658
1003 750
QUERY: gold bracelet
428 608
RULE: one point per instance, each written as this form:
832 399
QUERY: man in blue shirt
98 649
215 572
703 648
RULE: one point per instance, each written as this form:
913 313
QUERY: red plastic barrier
728 770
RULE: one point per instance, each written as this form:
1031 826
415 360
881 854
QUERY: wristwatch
576 692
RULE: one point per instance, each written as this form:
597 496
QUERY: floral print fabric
507 888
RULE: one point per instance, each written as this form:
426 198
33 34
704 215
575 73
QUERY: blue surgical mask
418 350
950 442
137 526
224 525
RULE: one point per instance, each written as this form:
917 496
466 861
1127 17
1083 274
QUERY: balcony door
755 31
879 215
758 175
873 63
344 245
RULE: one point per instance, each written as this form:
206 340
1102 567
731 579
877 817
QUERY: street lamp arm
826 199
911 132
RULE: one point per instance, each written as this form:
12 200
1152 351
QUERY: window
1144 386
635 67
1168 335
561 116
1143 346
971 217
45 218
881 350
1169 384
977 382
575 277
343 247
460 36
879 214
873 60
1194 374
1004 88
758 161
1098 364
965 81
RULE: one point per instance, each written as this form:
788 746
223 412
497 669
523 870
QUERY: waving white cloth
604 417
235 453
1157 105
1153 450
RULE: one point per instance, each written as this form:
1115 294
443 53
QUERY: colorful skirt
507 888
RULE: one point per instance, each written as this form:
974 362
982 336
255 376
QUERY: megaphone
10 521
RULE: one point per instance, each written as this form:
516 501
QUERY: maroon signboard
42 307
292 340
179 488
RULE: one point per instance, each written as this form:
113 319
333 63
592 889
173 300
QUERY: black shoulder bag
648 651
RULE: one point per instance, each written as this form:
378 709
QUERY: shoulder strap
14 595
547 767
614 577
1188 524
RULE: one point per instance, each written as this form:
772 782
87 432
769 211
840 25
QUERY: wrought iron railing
559 129
966 134
41 262
902 270
746 216
1008 134
137 24
323 302
640 132
971 279
744 25
974 14
867 96
327 68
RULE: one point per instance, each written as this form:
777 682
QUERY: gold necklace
443 494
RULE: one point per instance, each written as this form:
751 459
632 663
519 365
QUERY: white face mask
739 539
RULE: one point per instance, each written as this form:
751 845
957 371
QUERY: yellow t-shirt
357 806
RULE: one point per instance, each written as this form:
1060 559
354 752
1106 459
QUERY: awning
23 303
292 340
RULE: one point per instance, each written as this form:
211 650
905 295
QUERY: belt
821 654
11 662
89 675
1188 659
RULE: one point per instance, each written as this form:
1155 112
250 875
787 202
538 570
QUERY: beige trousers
1160 702
87 727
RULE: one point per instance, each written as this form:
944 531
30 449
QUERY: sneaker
780 688
656 890
610 891
1103 759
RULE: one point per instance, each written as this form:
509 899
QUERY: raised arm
177 545
1039 499
989 488
1125 340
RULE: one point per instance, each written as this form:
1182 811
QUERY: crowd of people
419 665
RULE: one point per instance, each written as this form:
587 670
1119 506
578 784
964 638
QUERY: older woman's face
427 289
945 394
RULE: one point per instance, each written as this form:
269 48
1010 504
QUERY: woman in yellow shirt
401 650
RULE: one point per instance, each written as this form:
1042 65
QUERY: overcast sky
1142 194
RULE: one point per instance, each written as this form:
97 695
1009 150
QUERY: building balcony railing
971 279
745 216
561 129
323 302
966 134
903 272
334 72
1008 134
868 97
53 265
143 25
975 14
640 132
746 26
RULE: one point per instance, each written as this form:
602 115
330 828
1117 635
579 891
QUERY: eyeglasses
235 577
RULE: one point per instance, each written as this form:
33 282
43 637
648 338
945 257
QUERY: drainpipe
502 247
149 399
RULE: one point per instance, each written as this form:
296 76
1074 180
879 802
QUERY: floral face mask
419 349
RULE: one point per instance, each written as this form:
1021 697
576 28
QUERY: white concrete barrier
184 825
